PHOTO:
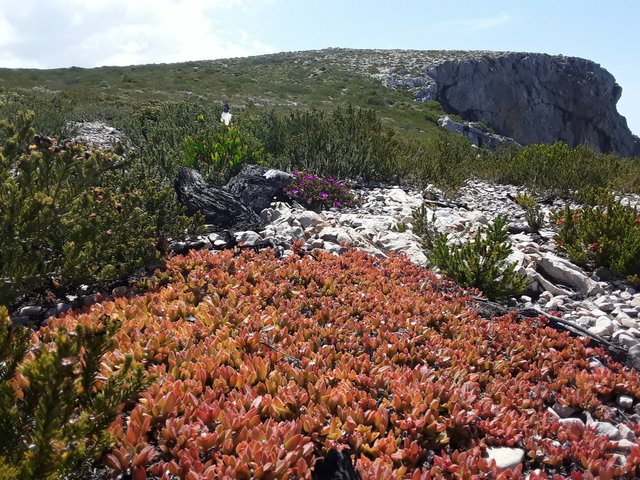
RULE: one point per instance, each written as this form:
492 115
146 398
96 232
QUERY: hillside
329 278
531 97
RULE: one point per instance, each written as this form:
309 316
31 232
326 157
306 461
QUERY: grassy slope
321 79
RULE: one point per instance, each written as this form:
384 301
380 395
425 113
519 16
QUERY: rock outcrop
475 134
532 98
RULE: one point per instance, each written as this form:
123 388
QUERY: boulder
221 209
258 186
568 274
473 132
532 98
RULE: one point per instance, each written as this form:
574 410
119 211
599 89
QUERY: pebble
505 458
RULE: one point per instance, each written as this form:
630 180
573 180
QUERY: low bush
317 193
480 264
443 162
533 214
262 365
345 143
219 155
57 398
601 233
559 169
70 216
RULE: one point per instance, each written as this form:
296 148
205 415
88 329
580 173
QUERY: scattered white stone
563 411
248 237
625 402
605 428
506 458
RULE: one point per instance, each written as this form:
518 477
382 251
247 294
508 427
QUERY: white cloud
473 24
91 33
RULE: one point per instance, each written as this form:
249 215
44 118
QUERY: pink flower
337 204
310 177
324 195
296 172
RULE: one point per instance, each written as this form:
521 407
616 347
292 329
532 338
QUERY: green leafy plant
482 263
601 233
55 404
533 214
221 154
317 193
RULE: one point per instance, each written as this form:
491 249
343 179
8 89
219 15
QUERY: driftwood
220 209
335 466
489 309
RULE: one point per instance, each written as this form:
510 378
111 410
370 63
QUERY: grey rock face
475 134
534 98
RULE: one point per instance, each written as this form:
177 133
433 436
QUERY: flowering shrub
317 193
261 365
602 232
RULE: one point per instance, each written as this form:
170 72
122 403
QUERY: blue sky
123 32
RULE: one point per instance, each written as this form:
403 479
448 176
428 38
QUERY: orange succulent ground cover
263 364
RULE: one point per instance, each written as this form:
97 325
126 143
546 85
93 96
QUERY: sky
90 33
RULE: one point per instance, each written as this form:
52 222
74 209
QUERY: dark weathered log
489 309
257 186
220 208
335 466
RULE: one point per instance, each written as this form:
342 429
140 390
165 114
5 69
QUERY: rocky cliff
530 97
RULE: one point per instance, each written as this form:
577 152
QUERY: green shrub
221 154
345 143
480 264
55 406
601 233
70 216
559 169
445 162
317 193
532 212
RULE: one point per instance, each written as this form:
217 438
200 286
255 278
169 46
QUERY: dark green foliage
317 193
480 264
70 216
601 233
346 143
157 134
55 407
532 212
220 154
559 169
444 162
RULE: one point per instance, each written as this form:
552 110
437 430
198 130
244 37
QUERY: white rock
603 327
248 237
506 458
626 433
571 422
563 411
568 274
308 219
626 321
628 341
625 402
605 428
334 235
